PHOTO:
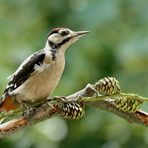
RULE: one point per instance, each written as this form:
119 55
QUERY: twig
50 108
45 111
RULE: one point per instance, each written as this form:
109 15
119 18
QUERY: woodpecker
37 77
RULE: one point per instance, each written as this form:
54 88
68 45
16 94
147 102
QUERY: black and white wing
24 71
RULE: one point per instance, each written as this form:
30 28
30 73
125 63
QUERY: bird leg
28 110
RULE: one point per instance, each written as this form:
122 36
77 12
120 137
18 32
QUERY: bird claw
28 110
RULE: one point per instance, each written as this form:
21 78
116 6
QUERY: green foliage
117 46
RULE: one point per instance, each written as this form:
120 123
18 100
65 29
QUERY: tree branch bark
49 108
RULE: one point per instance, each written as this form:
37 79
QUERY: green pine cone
108 86
128 103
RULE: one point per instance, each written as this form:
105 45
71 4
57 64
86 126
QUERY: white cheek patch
55 38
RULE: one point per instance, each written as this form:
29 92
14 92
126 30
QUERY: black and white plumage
24 71
37 77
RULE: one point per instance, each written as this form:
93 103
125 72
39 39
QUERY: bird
37 77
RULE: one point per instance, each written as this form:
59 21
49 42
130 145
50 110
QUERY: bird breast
42 82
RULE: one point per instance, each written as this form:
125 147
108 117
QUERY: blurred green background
117 46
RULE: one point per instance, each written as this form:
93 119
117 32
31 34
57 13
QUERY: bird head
62 38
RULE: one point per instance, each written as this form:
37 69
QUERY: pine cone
128 103
71 109
107 86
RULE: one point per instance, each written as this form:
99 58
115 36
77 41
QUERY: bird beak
80 33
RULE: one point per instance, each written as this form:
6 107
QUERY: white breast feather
42 67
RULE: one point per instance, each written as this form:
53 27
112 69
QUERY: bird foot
28 111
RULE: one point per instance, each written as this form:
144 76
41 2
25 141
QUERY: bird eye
64 33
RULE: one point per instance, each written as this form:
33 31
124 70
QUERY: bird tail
1 101
7 103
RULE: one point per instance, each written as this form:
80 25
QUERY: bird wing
24 71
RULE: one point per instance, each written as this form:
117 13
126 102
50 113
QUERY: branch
89 96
